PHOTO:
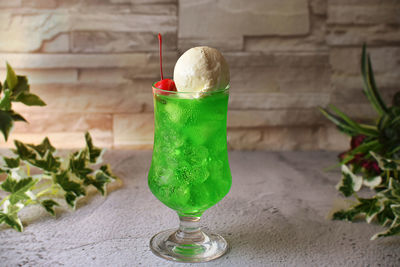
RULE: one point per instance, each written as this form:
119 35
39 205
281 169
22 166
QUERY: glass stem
189 230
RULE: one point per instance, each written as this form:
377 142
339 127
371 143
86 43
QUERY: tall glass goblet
189 170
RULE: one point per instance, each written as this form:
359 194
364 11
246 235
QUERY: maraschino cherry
164 84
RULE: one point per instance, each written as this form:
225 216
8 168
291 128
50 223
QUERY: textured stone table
274 215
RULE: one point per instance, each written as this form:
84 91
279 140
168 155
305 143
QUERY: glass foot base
200 248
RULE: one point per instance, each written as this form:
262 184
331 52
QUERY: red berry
357 140
166 84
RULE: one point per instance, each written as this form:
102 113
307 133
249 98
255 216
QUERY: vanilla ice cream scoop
201 69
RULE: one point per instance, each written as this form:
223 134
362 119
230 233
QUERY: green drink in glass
189 171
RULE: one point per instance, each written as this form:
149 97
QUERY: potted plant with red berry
373 160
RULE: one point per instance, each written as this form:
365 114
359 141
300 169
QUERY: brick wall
93 62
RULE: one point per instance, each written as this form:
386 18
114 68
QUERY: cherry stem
160 46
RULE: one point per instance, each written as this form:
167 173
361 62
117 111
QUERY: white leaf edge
374 182
380 159
357 180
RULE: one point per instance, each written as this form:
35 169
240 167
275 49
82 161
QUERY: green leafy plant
36 175
14 89
373 161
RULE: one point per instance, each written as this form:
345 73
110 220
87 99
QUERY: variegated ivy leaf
43 147
6 123
350 182
49 204
11 162
372 182
107 170
95 153
387 194
393 230
78 164
72 189
7 118
22 86
30 99
386 164
20 89
371 208
11 78
345 215
40 156
18 189
386 215
48 163
23 151
395 209
394 187
100 180
9 215
5 100
14 89
367 207
71 199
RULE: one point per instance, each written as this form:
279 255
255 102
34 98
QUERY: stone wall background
93 62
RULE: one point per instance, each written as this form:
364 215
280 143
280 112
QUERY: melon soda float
190 171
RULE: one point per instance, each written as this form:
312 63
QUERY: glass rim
191 92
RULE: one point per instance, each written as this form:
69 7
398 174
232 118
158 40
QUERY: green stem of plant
40 186
396 174
28 170
372 127
31 201
387 175
41 193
